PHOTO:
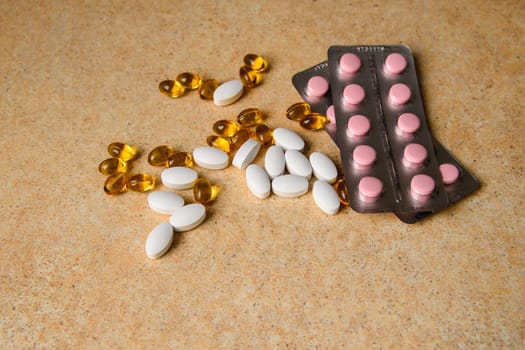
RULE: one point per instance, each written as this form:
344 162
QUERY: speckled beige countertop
258 274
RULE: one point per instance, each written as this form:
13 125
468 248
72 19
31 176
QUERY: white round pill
274 161
159 240
228 92
165 202
288 139
246 154
325 196
323 167
210 158
188 217
178 177
289 186
258 181
298 164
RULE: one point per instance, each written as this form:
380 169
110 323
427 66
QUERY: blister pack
405 127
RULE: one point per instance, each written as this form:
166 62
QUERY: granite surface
257 274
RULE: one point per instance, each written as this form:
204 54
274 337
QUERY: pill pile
370 95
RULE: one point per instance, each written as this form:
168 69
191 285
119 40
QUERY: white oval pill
228 92
246 154
298 164
165 202
258 181
159 240
210 157
323 167
188 217
288 139
274 161
325 197
289 186
178 177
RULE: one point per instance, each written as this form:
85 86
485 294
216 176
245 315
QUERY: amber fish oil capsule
249 78
189 81
141 182
159 155
264 134
313 121
219 142
171 88
250 117
298 111
111 166
342 192
115 183
207 89
122 150
255 62
204 192
226 128
238 139
179 159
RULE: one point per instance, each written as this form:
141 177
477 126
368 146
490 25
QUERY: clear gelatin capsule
249 78
111 166
159 155
255 62
219 142
264 134
226 128
141 182
238 139
250 117
342 191
298 111
122 150
207 89
313 121
189 81
115 183
204 191
179 159
171 88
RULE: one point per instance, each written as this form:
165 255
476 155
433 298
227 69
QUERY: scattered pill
449 173
364 156
178 177
165 202
226 127
238 139
219 142
395 63
190 81
353 94
250 117
274 161
228 92
204 191
349 63
115 183
246 154
171 88
249 78
342 191
255 62
159 240
141 182
111 166
358 125
298 111
159 155
313 121
297 163
370 189
258 181
323 167
422 186
325 197
188 217
179 159
399 94
122 150
210 158
407 124
207 88
288 139
414 155
264 134
289 186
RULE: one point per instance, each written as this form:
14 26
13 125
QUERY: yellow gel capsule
207 89
111 166
264 134
141 182
238 139
249 78
122 151
171 88
189 81
313 121
226 128
342 191
255 62
250 117
115 183
204 192
179 159
159 155
298 111
219 142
